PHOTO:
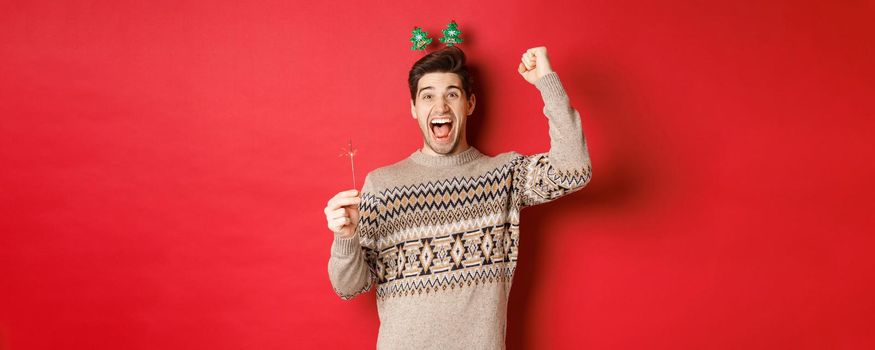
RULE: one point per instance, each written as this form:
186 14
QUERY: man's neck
462 147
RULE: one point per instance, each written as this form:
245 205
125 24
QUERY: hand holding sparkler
342 212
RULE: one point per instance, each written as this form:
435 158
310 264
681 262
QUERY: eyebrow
432 87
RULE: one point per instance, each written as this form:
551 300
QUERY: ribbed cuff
346 246
551 89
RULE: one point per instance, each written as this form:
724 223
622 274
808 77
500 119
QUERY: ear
472 102
412 109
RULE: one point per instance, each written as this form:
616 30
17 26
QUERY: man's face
442 109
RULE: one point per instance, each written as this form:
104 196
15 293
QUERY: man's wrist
346 245
551 88
545 74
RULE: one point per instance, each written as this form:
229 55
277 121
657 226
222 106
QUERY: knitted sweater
438 235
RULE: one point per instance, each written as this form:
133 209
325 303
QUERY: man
438 231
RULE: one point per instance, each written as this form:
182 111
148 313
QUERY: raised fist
535 64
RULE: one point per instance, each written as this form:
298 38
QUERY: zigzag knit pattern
455 232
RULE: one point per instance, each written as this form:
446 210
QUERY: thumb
539 51
353 214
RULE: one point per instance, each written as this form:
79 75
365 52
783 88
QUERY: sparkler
350 152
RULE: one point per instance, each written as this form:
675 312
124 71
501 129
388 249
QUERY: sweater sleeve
351 266
566 168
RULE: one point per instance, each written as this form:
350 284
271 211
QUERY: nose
441 106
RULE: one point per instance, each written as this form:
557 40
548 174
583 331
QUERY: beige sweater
438 235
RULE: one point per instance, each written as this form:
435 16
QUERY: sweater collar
443 161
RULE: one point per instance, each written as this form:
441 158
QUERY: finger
338 202
526 63
351 209
342 202
344 194
340 222
521 68
541 55
335 226
338 213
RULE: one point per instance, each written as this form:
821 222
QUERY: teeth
440 121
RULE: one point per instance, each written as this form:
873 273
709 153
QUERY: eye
426 97
454 94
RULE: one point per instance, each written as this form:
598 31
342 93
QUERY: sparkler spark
350 152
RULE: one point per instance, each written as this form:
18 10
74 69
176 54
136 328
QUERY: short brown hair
449 59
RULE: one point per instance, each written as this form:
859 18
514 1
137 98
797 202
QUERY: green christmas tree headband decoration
451 37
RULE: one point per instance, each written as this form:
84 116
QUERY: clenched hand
535 64
342 212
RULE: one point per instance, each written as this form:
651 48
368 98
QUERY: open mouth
441 129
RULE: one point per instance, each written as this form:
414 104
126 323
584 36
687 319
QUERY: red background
165 165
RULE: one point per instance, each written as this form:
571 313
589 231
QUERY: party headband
451 37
